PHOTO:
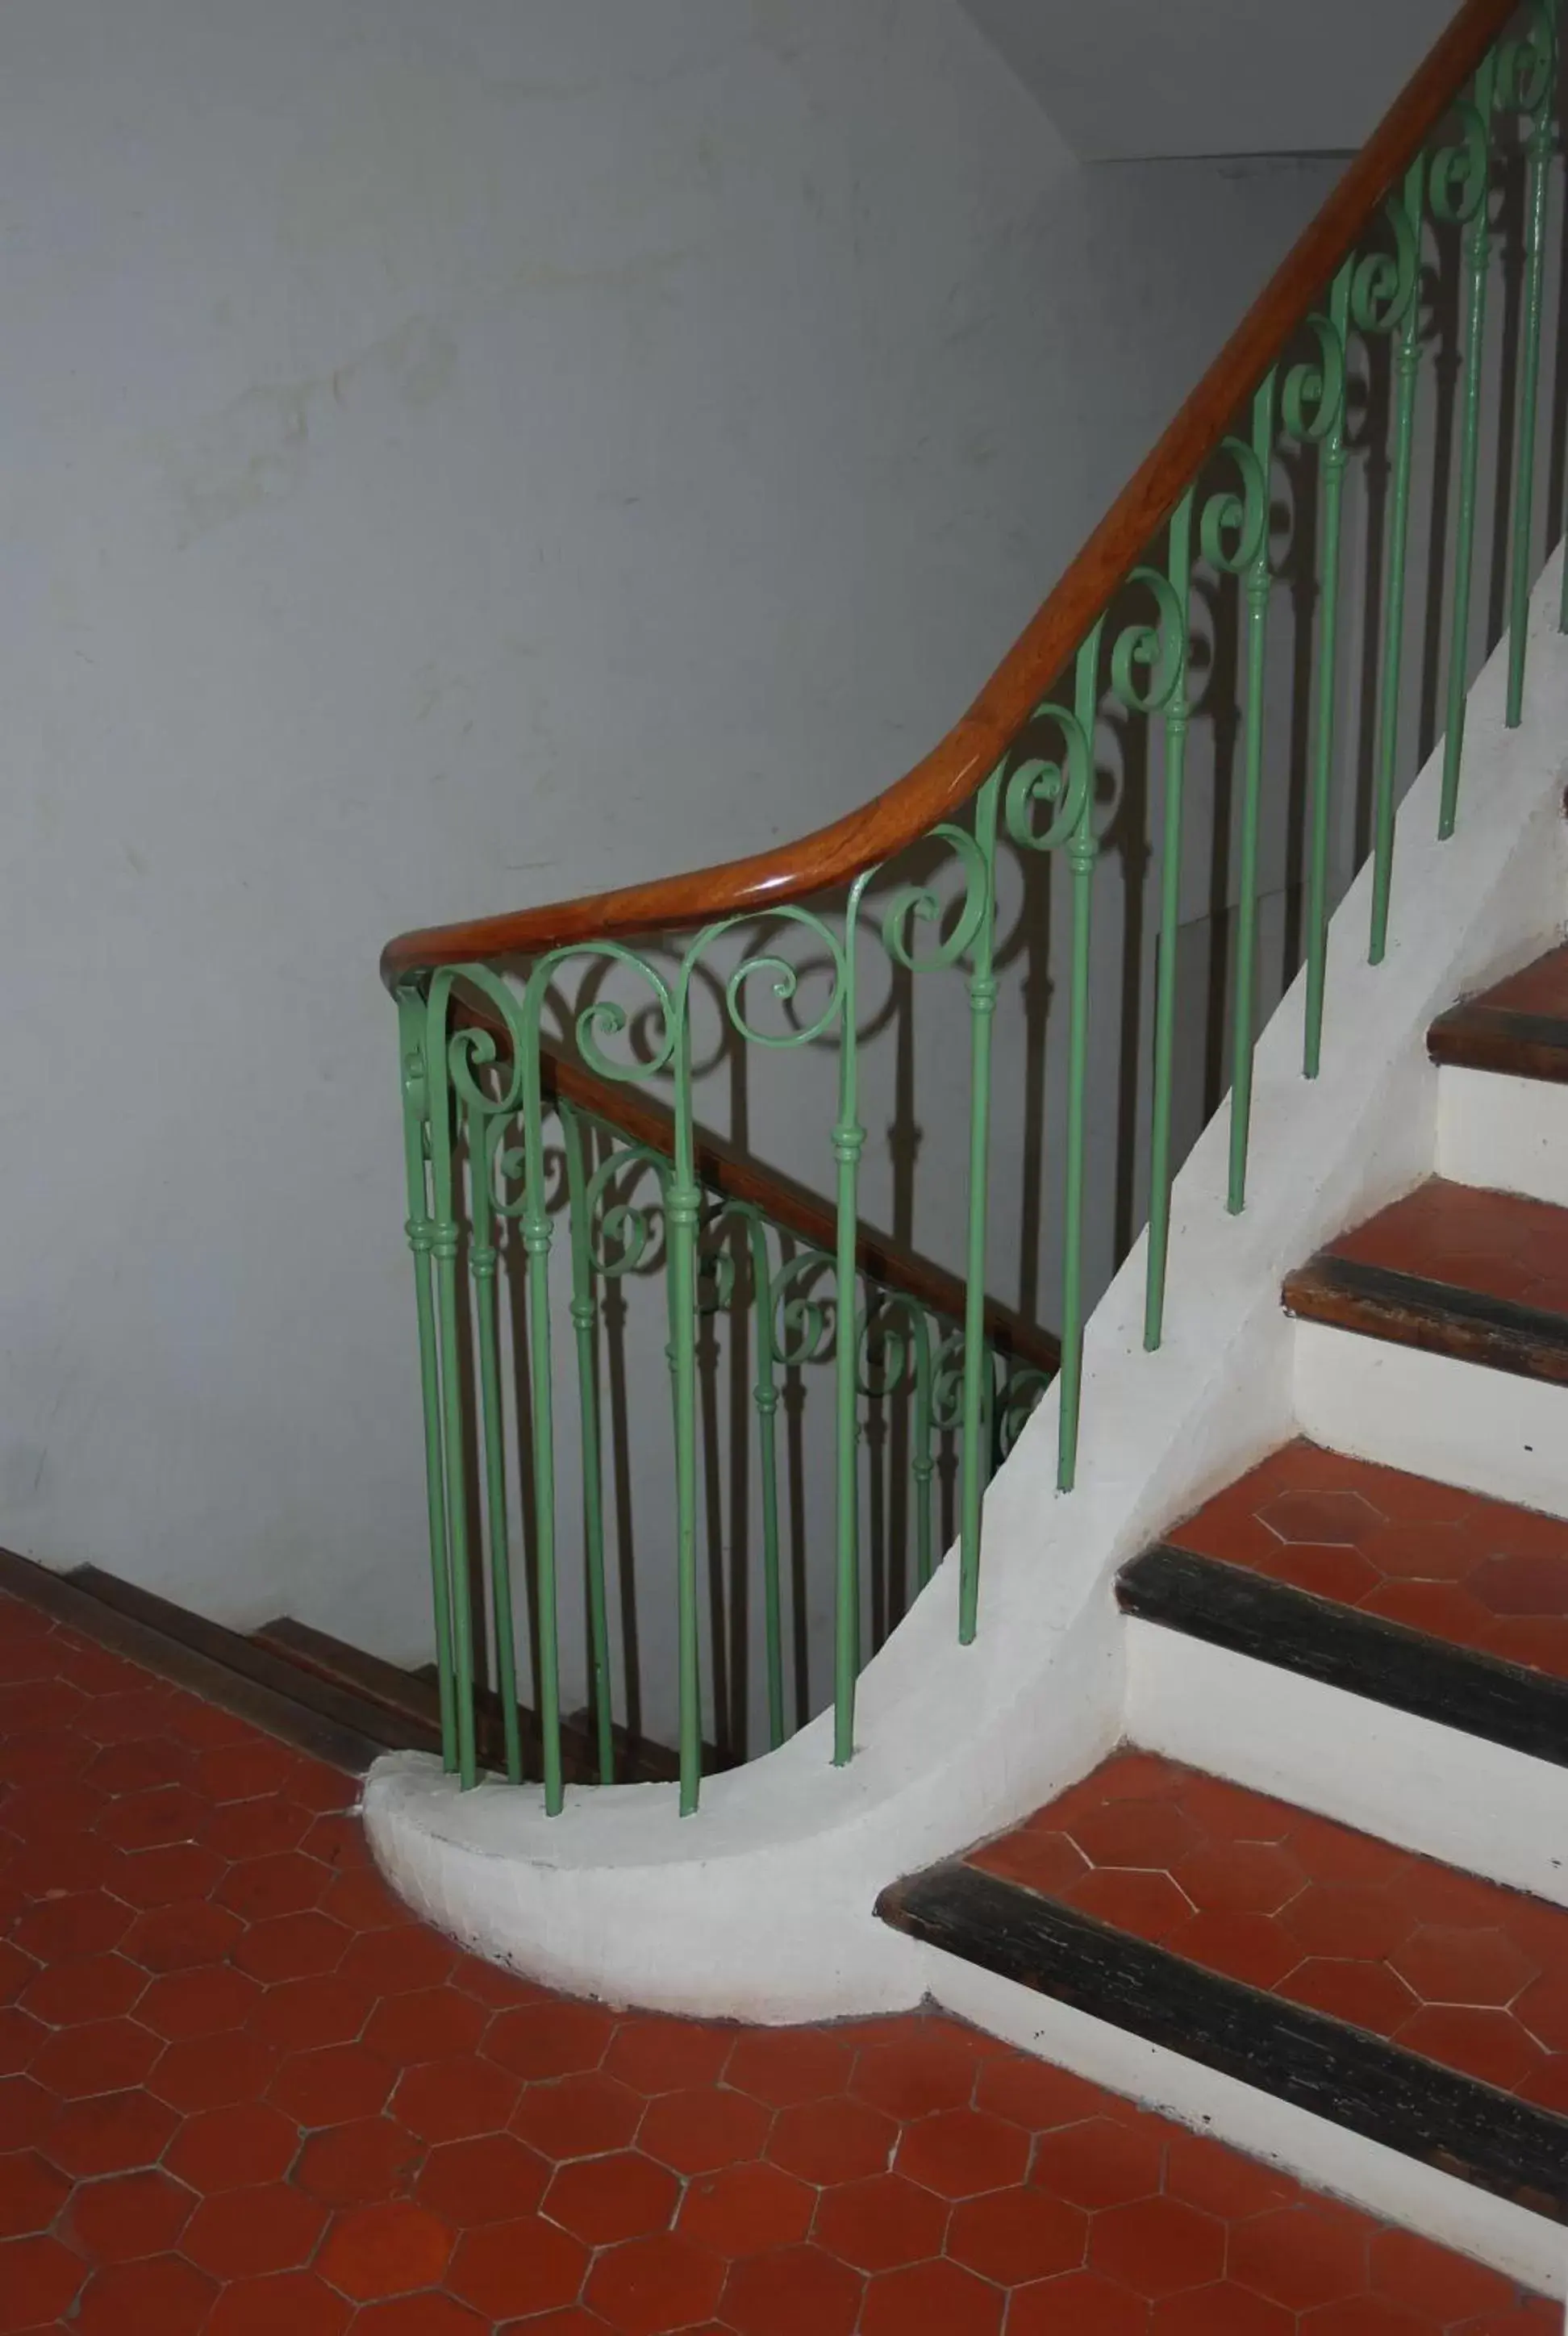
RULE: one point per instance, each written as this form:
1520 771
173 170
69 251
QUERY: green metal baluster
412 1034
536 1242
484 1259
848 1140
764 1396
584 1314
923 1461
1177 718
1406 365
1082 851
683 1208
1476 256
1332 469
1539 149
972 1456
1259 583
445 1240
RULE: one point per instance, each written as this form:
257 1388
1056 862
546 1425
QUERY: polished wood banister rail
946 777
791 1206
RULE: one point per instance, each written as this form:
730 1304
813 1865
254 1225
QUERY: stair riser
1455 2213
1491 1431
1429 1788
1510 1135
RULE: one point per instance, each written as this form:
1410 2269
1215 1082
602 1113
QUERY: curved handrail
944 779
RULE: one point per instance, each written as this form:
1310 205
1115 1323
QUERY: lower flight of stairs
312 1689
1330 1865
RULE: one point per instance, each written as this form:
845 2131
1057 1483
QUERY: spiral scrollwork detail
1021 1393
803 1318
785 976
1383 283
1062 783
1232 526
892 1347
1148 661
1459 172
1312 394
1524 65
920 904
621 1231
948 1384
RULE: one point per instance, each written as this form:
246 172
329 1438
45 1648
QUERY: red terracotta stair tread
1499 1245
1476 1573
1366 1933
1540 988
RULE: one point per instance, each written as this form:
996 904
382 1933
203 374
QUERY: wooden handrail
951 772
792 1206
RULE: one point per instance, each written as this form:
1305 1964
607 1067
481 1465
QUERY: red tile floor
1473 1572
243 2093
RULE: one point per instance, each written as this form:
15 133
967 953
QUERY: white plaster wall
455 454
1138 77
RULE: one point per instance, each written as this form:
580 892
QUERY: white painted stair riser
1432 1789
1508 1134
1465 1424
1379 2180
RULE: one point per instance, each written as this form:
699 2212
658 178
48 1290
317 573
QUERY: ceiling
1127 79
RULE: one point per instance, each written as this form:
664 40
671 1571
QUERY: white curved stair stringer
760 1907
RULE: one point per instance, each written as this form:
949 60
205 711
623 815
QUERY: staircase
1270 1803
1394 1646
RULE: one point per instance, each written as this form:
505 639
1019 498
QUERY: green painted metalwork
1313 404
1082 852
848 1141
421 1240
1458 188
1233 538
1177 714
1525 78
1385 297
1259 583
584 1317
483 1257
972 933
903 1331
982 989
765 1401
446 1234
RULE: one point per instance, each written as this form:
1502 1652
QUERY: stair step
1519 1026
1477 1275
1417 2006
1433 1600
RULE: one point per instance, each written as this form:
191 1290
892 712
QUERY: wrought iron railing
1343 375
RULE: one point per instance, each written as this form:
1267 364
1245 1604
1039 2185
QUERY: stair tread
1443 1965
1497 1244
1454 1270
1473 1572
1518 1026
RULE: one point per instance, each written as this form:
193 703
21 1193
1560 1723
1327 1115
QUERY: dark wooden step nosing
235 1652
1387 1663
1477 1038
1406 1309
1341 2073
202 1657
